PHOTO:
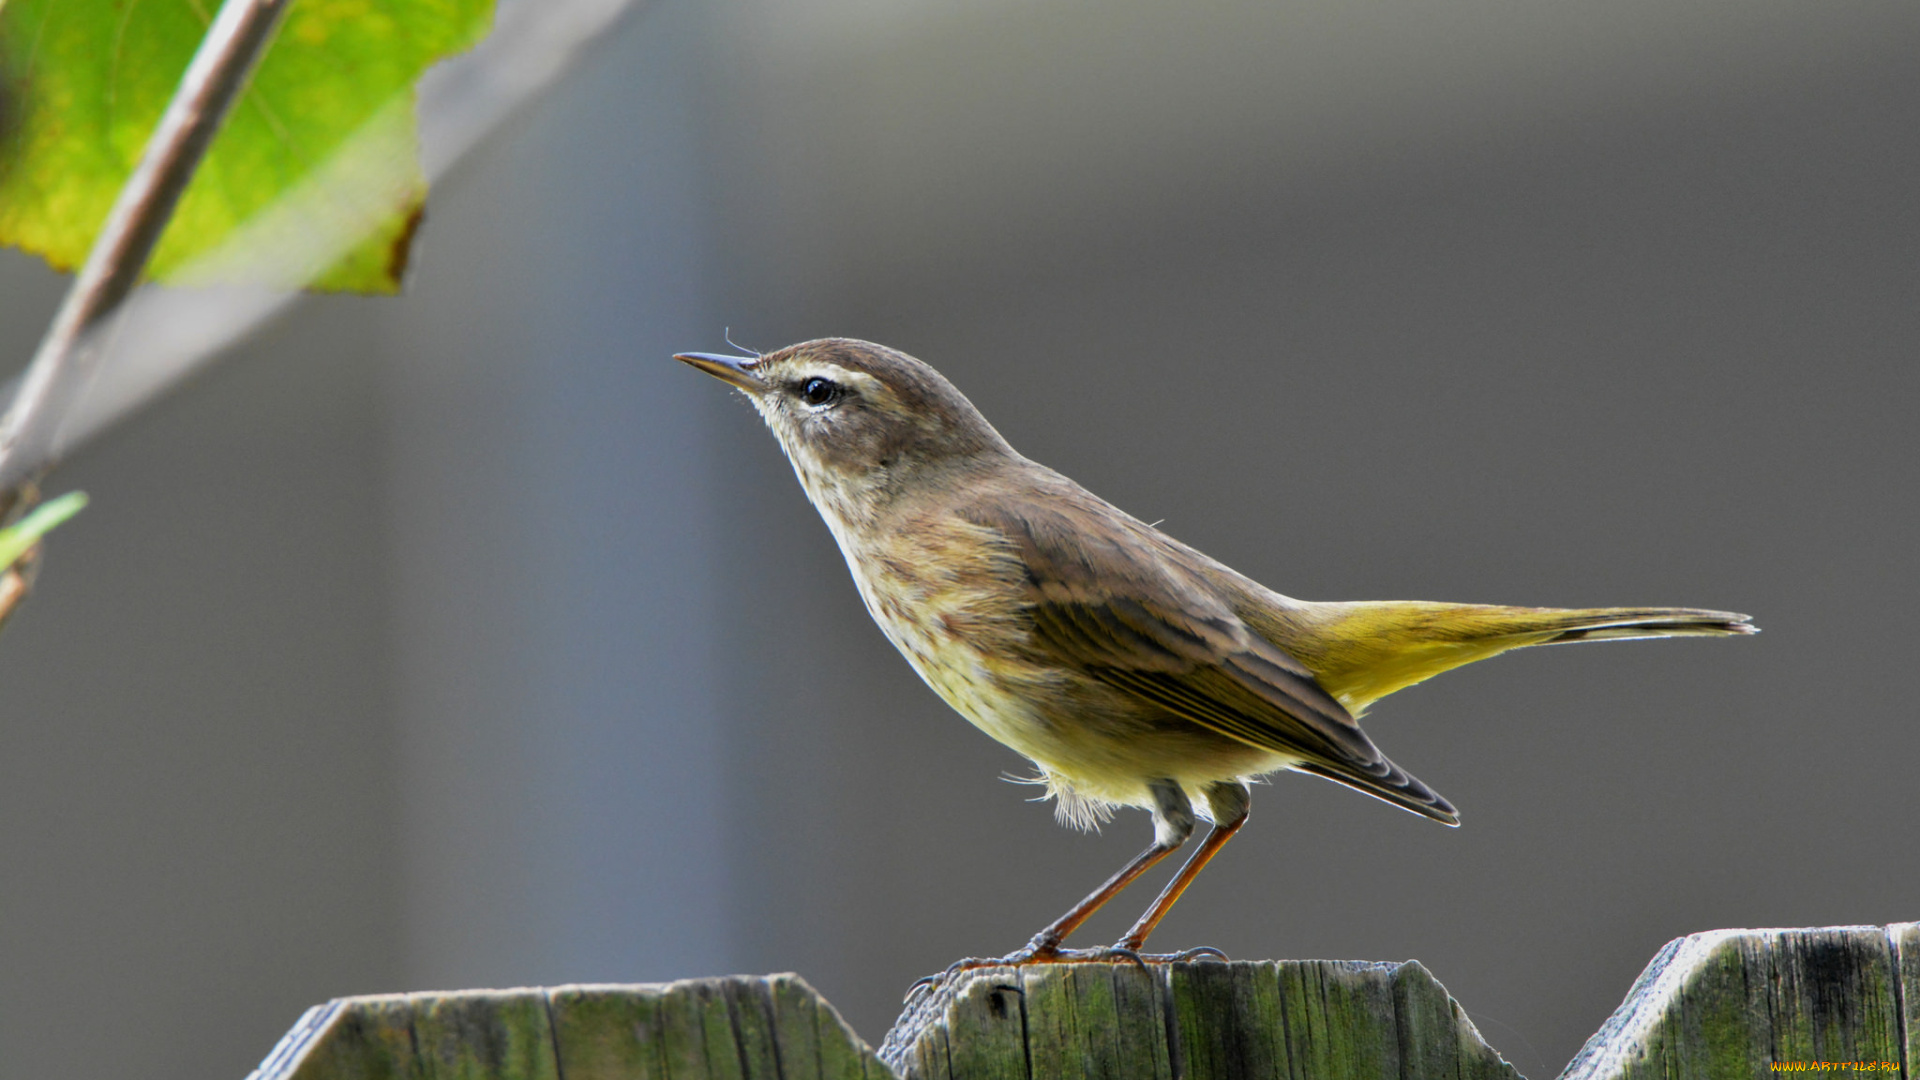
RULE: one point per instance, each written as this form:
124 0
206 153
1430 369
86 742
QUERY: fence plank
1284 1020
740 1028
1747 1003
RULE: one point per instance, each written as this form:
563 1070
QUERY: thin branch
161 335
235 41
15 582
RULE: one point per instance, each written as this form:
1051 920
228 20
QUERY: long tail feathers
1627 624
1369 649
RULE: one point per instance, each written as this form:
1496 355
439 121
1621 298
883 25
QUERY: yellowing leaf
313 181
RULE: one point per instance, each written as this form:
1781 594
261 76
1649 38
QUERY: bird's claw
1121 952
1186 956
1039 952
1026 955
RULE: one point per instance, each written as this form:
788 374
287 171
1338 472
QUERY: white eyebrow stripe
853 380
835 372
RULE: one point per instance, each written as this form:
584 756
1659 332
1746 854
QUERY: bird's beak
738 370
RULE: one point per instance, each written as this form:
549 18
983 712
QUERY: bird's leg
1216 838
1229 802
1046 943
1172 824
1045 948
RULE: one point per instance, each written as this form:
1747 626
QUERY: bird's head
857 420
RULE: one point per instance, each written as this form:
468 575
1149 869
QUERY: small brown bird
1130 668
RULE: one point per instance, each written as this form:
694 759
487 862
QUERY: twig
235 41
15 582
175 331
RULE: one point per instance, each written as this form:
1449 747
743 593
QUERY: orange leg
1044 948
1047 942
1216 839
1173 822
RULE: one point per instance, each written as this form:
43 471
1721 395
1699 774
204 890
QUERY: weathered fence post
742 1027
1740 1003
1323 1019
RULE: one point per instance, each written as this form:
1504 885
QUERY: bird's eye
818 391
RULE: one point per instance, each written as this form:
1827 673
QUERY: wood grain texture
1724 1005
1749 1003
1288 1020
740 1028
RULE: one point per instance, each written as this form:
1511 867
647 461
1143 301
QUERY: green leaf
314 180
23 534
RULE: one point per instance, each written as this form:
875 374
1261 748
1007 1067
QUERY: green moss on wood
773 1028
1293 1020
1727 1004
1730 1004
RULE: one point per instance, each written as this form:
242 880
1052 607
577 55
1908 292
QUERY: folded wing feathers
1398 787
1162 634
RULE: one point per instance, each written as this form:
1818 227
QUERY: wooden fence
1724 1005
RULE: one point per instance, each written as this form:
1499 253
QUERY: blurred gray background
466 640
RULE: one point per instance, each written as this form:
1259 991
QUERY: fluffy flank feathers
1071 808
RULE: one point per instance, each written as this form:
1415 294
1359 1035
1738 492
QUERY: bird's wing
1135 610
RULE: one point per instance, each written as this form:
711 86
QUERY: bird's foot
1184 957
1130 947
1038 951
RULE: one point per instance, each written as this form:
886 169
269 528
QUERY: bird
1131 669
